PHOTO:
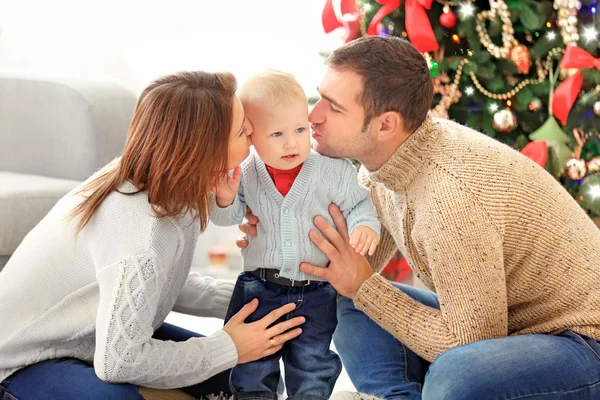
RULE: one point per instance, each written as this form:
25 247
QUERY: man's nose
316 116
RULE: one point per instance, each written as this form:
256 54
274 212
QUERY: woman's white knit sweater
99 296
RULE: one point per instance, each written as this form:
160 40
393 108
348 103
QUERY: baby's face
281 135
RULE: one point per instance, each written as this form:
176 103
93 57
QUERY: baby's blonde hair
271 85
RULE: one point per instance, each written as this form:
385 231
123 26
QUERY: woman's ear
389 125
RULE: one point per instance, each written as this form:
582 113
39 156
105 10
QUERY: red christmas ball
448 20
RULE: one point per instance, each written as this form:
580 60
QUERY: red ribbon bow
566 93
537 151
349 18
416 21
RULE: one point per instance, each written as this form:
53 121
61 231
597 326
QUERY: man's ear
388 125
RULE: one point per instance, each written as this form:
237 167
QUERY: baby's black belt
272 275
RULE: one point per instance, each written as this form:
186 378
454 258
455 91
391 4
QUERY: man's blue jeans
536 367
311 369
71 379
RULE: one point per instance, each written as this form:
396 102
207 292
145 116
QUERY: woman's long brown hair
177 141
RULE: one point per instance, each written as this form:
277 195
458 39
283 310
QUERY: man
512 260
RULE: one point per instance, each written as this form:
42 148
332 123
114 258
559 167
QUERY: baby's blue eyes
298 130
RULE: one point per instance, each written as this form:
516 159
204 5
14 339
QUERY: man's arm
467 266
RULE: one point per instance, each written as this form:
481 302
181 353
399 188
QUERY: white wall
135 41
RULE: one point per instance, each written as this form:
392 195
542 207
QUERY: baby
286 185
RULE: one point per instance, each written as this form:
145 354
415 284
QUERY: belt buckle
294 282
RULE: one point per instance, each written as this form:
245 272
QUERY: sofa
54 133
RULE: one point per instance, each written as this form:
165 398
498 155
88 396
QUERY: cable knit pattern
282 240
505 247
100 296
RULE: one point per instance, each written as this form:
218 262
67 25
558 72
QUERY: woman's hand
227 187
256 340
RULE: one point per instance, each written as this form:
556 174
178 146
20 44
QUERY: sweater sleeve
230 215
354 201
463 250
125 350
384 252
204 296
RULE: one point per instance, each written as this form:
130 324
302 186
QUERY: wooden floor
157 394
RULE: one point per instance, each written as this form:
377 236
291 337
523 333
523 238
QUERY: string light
404 34
590 34
509 103
466 10
469 91
367 7
549 24
456 38
551 35
594 191
593 10
494 107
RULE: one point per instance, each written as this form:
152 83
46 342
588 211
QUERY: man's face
337 118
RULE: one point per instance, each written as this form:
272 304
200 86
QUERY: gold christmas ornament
511 48
504 121
567 20
597 108
542 71
498 8
520 56
450 93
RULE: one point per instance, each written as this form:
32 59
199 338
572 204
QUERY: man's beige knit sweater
504 246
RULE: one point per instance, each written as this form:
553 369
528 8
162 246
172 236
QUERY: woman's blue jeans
72 379
532 367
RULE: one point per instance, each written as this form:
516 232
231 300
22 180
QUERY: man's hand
347 270
248 228
364 239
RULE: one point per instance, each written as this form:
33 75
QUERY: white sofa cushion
24 201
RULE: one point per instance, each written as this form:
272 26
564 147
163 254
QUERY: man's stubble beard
356 149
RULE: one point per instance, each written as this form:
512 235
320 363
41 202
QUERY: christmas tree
524 72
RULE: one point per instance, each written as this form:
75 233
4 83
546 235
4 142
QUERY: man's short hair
395 77
273 86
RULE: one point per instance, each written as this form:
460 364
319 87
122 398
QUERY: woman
84 297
